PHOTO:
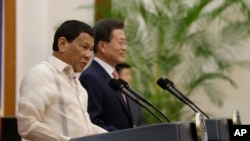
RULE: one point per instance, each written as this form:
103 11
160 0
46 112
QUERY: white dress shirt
108 68
53 104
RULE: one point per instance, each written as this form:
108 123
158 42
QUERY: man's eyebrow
86 43
122 39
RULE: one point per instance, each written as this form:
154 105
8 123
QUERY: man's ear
102 46
62 44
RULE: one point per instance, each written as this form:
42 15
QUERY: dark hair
71 29
121 66
104 28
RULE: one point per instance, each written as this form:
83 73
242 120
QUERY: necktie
116 76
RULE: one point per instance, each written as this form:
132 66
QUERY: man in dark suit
124 72
107 108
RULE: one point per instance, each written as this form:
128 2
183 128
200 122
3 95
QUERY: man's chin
79 70
122 60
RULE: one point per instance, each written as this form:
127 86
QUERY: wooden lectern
218 129
179 131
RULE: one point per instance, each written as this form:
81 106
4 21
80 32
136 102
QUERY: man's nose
88 54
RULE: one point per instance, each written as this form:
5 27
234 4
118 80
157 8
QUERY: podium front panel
218 129
159 132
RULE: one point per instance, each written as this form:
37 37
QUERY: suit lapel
117 94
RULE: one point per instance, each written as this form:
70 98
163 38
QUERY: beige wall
234 98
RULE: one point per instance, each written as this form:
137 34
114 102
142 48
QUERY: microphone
166 84
116 85
142 98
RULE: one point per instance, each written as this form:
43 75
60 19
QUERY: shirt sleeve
98 130
84 100
35 96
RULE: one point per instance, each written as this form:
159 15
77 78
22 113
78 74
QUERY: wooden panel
9 57
102 9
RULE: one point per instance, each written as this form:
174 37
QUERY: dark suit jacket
106 107
137 114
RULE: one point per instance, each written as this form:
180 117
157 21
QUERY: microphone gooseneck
166 84
116 85
143 99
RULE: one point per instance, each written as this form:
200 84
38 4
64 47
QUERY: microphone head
123 82
169 82
162 83
115 84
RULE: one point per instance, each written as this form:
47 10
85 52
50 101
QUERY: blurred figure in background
124 72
